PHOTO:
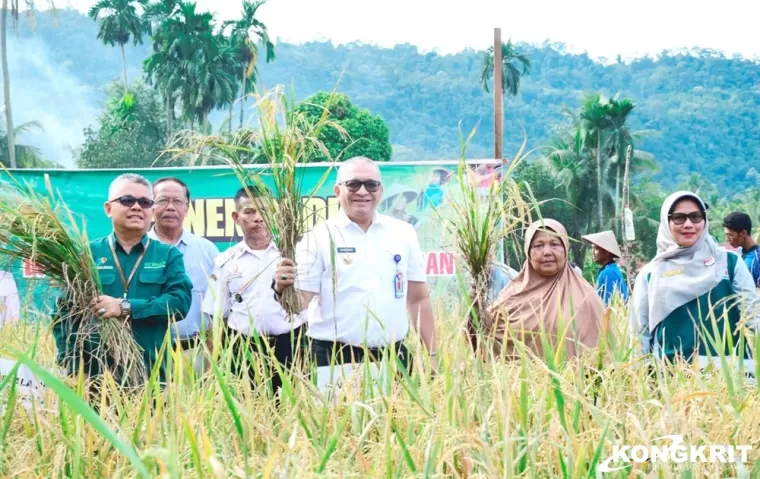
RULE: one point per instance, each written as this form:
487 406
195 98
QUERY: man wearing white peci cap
365 274
605 249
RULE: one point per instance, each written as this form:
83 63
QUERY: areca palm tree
120 22
596 120
247 32
514 66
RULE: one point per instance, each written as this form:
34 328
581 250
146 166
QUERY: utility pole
498 94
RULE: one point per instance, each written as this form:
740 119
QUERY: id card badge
398 279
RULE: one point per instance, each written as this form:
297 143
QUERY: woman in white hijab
691 287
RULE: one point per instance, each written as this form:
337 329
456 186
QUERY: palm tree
120 21
27 156
246 33
514 66
14 9
567 158
192 61
596 120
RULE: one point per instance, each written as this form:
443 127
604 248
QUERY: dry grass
473 420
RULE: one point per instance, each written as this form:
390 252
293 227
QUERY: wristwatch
126 308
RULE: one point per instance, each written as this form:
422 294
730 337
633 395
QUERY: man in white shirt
172 201
365 273
242 294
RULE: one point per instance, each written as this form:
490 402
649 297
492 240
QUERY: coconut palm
571 165
246 33
120 21
12 6
27 156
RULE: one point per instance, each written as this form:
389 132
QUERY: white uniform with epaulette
241 291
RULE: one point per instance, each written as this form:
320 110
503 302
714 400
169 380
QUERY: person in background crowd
170 209
365 274
545 296
501 275
576 268
242 293
605 250
738 228
143 280
434 193
689 282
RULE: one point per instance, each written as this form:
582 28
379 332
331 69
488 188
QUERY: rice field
528 418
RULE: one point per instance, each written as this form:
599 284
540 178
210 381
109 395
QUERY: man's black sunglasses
695 217
355 185
129 201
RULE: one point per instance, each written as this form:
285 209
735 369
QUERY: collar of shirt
749 251
243 248
183 239
143 241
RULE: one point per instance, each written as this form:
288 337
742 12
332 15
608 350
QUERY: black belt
188 343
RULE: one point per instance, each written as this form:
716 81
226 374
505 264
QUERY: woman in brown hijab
547 295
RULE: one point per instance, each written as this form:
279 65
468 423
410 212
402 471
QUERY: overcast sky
594 26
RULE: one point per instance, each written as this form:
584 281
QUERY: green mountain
705 107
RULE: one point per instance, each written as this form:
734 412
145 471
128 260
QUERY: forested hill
705 108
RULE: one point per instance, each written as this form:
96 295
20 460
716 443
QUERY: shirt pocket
150 283
107 279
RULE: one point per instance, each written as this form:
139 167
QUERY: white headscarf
680 275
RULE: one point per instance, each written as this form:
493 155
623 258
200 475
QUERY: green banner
414 192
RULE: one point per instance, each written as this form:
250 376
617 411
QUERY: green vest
159 288
711 318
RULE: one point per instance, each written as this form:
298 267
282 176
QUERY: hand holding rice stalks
41 229
482 219
284 140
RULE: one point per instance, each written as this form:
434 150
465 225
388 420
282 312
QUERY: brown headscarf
531 302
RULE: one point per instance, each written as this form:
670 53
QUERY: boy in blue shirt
605 250
738 228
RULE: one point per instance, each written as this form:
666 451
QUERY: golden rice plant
40 228
282 141
480 223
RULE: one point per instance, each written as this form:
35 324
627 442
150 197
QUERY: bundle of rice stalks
482 220
283 140
40 228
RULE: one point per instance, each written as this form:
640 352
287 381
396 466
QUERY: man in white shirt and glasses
172 201
242 295
362 277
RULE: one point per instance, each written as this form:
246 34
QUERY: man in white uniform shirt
242 294
367 273
169 210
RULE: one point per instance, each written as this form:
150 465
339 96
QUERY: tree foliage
132 131
367 134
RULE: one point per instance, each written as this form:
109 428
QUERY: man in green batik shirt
151 273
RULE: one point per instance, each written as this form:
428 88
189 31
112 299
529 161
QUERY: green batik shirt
159 291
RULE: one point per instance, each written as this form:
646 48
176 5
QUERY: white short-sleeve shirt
353 273
241 290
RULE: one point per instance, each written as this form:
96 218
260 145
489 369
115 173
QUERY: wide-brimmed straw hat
605 240
396 190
